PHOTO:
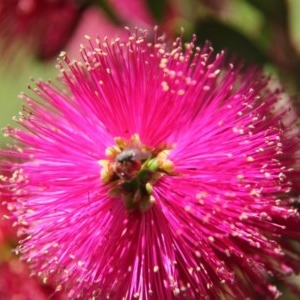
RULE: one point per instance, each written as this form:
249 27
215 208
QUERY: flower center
131 169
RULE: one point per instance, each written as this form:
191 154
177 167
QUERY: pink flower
43 26
157 171
134 12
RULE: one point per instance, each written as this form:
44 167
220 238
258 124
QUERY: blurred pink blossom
16 284
42 27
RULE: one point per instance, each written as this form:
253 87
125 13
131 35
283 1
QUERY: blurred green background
12 83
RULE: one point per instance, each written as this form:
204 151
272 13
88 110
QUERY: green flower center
131 169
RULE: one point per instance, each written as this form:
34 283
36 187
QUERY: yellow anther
120 142
166 165
152 164
105 175
136 139
112 152
103 163
149 188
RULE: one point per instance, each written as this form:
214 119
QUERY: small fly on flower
129 161
132 154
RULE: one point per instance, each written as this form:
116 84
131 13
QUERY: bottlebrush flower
157 171
43 26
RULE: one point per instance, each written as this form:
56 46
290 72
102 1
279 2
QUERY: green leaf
158 8
226 37
272 9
